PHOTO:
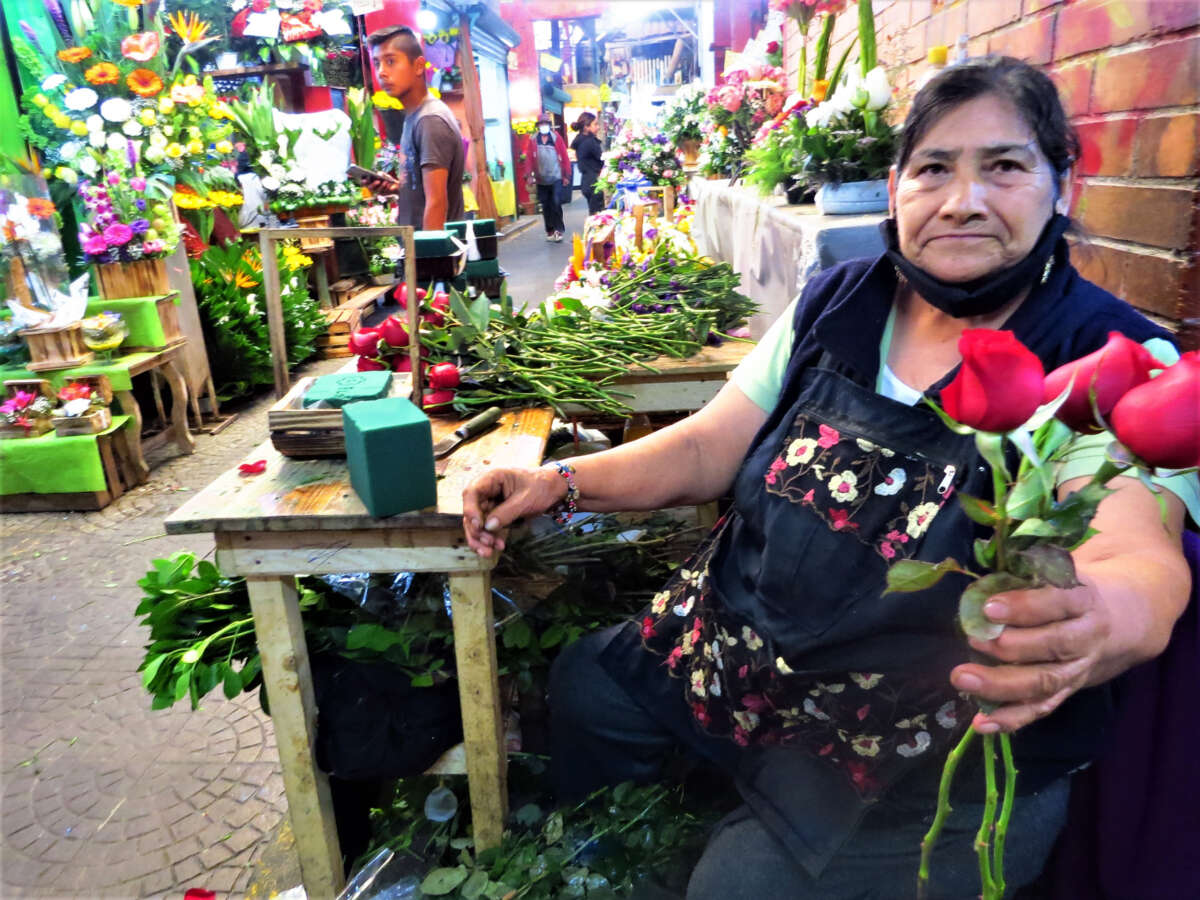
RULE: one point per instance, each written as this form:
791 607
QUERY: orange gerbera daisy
75 54
103 73
40 208
143 82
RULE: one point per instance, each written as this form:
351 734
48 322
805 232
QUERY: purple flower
658 307
118 234
651 233
140 204
674 284
140 226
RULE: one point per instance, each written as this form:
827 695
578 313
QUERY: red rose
401 294
260 5
443 375
433 399
365 342
440 301
1160 420
773 47
366 364
999 385
394 332
1111 371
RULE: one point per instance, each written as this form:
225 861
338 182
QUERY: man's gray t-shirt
431 138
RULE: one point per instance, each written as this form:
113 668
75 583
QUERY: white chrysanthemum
98 139
53 82
116 109
132 128
270 183
88 165
80 99
70 149
94 122
116 142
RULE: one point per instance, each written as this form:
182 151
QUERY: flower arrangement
737 109
31 254
776 154
636 154
128 216
522 127
29 410
1003 397
681 120
77 399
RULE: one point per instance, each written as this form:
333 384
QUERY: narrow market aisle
532 262
102 797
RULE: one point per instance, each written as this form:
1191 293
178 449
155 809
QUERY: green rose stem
982 844
1010 790
943 810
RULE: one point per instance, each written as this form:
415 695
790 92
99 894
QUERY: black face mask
981 296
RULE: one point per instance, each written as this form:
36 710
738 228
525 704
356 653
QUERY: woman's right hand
499 497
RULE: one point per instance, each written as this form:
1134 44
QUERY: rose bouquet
638 153
1024 423
737 109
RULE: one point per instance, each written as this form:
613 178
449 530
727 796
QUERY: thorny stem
943 810
982 843
1010 788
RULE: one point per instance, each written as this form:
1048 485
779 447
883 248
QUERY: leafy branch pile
564 353
605 847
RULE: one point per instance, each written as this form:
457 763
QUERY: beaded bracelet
569 506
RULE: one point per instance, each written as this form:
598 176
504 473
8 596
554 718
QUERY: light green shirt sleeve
760 374
1085 453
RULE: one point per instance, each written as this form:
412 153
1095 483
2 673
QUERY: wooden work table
301 517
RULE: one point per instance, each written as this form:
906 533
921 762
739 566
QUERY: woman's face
975 194
593 127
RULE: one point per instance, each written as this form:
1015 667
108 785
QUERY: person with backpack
552 172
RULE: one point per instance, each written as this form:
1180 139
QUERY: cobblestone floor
99 795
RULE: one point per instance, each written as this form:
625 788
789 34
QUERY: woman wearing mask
587 155
552 172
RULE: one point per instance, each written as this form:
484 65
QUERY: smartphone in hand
374 180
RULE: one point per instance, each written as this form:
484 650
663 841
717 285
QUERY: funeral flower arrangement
1024 422
737 109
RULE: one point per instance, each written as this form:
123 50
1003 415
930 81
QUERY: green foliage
232 302
855 146
682 118
609 845
361 109
775 159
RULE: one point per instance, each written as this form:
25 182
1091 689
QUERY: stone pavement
99 795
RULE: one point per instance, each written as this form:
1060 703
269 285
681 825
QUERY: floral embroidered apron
775 634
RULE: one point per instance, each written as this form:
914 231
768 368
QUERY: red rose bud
773 47
443 375
401 294
1111 371
440 301
1000 383
402 363
394 332
437 398
435 319
365 342
367 364
1160 420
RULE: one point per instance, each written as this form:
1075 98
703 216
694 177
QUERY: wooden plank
89 500
331 552
288 680
332 340
305 495
275 325
367 296
334 353
479 697
720 359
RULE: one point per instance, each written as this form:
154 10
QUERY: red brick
1166 74
1107 146
1032 40
1074 86
944 26
1168 146
1157 216
990 15
1152 282
1098 24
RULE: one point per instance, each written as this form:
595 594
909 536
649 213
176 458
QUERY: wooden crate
92 423
144 278
56 348
342 319
296 431
314 243
120 474
37 427
342 290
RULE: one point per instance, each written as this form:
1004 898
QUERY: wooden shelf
252 71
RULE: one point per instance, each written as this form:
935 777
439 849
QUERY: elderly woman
773 653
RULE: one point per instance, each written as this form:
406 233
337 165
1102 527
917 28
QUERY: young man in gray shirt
430 184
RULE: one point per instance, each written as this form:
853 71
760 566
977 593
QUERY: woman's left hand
1134 584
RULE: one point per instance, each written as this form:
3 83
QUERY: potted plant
681 122
382 263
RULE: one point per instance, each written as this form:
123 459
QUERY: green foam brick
347 387
389 451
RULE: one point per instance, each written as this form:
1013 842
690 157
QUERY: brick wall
1129 75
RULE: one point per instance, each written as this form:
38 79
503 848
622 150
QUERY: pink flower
700 711
743 671
755 703
740 737
117 235
150 247
778 465
808 496
829 437
141 47
675 656
840 518
731 99
887 551
648 627
138 183
95 245
862 711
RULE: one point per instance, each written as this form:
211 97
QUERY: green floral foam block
347 387
389 451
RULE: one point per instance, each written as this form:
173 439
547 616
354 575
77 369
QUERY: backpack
547 168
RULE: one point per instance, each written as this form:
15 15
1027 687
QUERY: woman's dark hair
1029 89
584 120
